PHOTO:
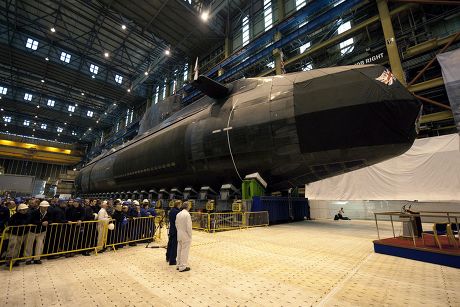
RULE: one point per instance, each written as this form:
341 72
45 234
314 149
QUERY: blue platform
435 256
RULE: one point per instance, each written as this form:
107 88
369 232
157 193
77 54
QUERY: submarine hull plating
292 129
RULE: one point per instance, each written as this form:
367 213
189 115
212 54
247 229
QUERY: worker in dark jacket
17 235
40 218
4 216
120 221
171 252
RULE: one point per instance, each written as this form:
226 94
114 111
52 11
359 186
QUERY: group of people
31 220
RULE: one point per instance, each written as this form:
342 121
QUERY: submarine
292 129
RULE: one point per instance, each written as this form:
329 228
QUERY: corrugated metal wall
44 171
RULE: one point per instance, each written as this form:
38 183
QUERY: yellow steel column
390 40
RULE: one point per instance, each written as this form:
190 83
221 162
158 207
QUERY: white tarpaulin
450 65
429 171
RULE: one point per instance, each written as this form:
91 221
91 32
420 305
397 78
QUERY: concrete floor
323 263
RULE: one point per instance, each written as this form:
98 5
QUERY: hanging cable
228 141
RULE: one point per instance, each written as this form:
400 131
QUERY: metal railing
410 219
212 222
17 242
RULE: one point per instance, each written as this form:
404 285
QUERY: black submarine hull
292 129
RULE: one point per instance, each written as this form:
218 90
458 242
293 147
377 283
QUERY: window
94 69
304 47
163 95
50 103
174 86
157 94
89 113
26 122
3 90
43 126
186 72
59 129
345 46
27 96
65 57
71 109
7 119
300 3
307 67
268 17
118 79
32 44
245 30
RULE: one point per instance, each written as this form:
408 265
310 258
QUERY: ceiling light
93 76
47 59
205 16
106 54
89 129
2 109
70 114
146 73
33 129
59 134
167 52
114 104
36 116
53 29
38 107
76 105
105 113
65 123
5 125
97 122
83 94
129 90
123 27
43 81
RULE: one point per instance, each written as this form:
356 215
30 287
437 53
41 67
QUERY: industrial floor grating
301 264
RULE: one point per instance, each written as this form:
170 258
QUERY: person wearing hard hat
17 234
171 251
40 219
184 237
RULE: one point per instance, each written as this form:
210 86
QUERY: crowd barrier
31 242
212 222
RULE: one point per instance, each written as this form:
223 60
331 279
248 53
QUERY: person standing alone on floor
184 237
171 252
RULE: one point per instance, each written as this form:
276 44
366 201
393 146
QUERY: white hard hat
23 206
145 201
44 204
136 203
104 202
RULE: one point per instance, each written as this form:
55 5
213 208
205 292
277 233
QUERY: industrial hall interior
230 153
